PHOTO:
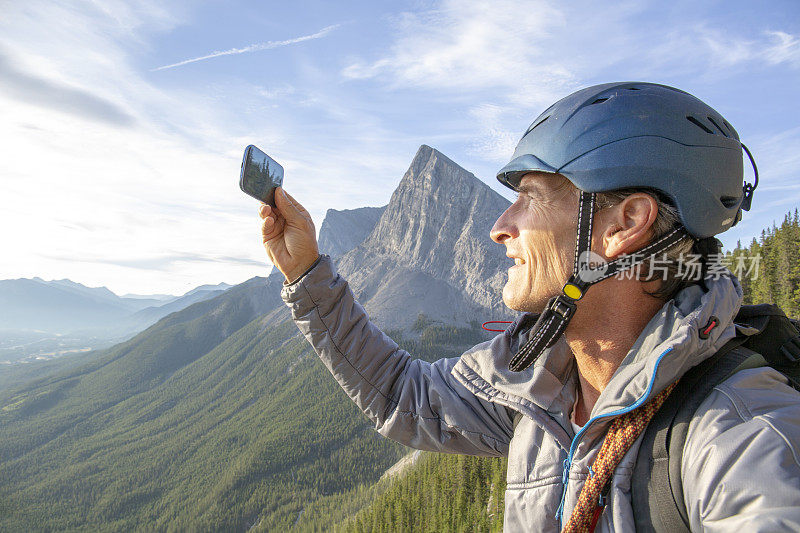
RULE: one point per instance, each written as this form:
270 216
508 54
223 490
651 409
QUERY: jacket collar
667 347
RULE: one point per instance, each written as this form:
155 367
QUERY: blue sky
121 170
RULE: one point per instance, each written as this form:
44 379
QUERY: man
649 172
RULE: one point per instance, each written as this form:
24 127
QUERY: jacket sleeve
741 463
414 402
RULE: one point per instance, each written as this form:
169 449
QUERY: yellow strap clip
572 291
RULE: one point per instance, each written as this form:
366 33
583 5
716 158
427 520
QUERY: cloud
161 262
529 53
506 60
472 45
275 93
785 48
253 48
171 180
714 53
52 94
770 47
494 141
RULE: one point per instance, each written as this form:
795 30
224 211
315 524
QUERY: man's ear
629 225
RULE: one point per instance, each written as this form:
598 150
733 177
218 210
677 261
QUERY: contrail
253 47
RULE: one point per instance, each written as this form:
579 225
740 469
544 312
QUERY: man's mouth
517 261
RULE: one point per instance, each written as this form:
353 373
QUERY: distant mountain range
42 319
219 416
63 306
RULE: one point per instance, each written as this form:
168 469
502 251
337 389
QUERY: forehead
542 182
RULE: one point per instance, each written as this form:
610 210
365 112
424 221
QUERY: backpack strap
656 486
765 337
776 337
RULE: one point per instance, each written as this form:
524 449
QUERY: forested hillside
246 434
233 439
444 493
775 277
439 493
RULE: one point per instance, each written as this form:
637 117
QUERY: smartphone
260 175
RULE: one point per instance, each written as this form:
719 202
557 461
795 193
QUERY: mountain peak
431 168
436 205
437 224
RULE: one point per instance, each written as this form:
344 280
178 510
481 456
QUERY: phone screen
260 175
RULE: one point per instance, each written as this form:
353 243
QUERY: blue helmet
631 134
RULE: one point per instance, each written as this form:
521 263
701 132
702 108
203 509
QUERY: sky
123 123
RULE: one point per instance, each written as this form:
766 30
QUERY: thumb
289 207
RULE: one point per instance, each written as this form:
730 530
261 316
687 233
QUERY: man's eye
523 194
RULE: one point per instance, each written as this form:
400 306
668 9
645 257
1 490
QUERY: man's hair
668 264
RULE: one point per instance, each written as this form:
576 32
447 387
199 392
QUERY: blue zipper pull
559 511
565 466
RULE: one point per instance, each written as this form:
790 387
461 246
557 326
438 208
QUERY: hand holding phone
287 231
288 235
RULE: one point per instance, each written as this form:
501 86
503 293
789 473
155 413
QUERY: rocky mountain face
343 230
430 251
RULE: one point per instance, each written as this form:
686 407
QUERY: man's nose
503 229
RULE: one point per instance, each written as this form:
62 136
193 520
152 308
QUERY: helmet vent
599 101
536 125
699 124
729 201
632 89
717 125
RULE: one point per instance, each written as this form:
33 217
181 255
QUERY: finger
264 211
268 222
272 227
268 229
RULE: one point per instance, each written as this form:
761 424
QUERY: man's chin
525 305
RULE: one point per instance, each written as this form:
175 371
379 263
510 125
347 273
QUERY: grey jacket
741 465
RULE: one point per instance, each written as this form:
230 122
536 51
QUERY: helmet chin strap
560 308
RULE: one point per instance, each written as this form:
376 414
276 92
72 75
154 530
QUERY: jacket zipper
568 461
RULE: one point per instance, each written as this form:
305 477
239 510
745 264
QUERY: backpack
765 337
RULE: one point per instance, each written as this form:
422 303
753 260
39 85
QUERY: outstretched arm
414 402
411 401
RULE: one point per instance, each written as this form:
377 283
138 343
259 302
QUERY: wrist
295 275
